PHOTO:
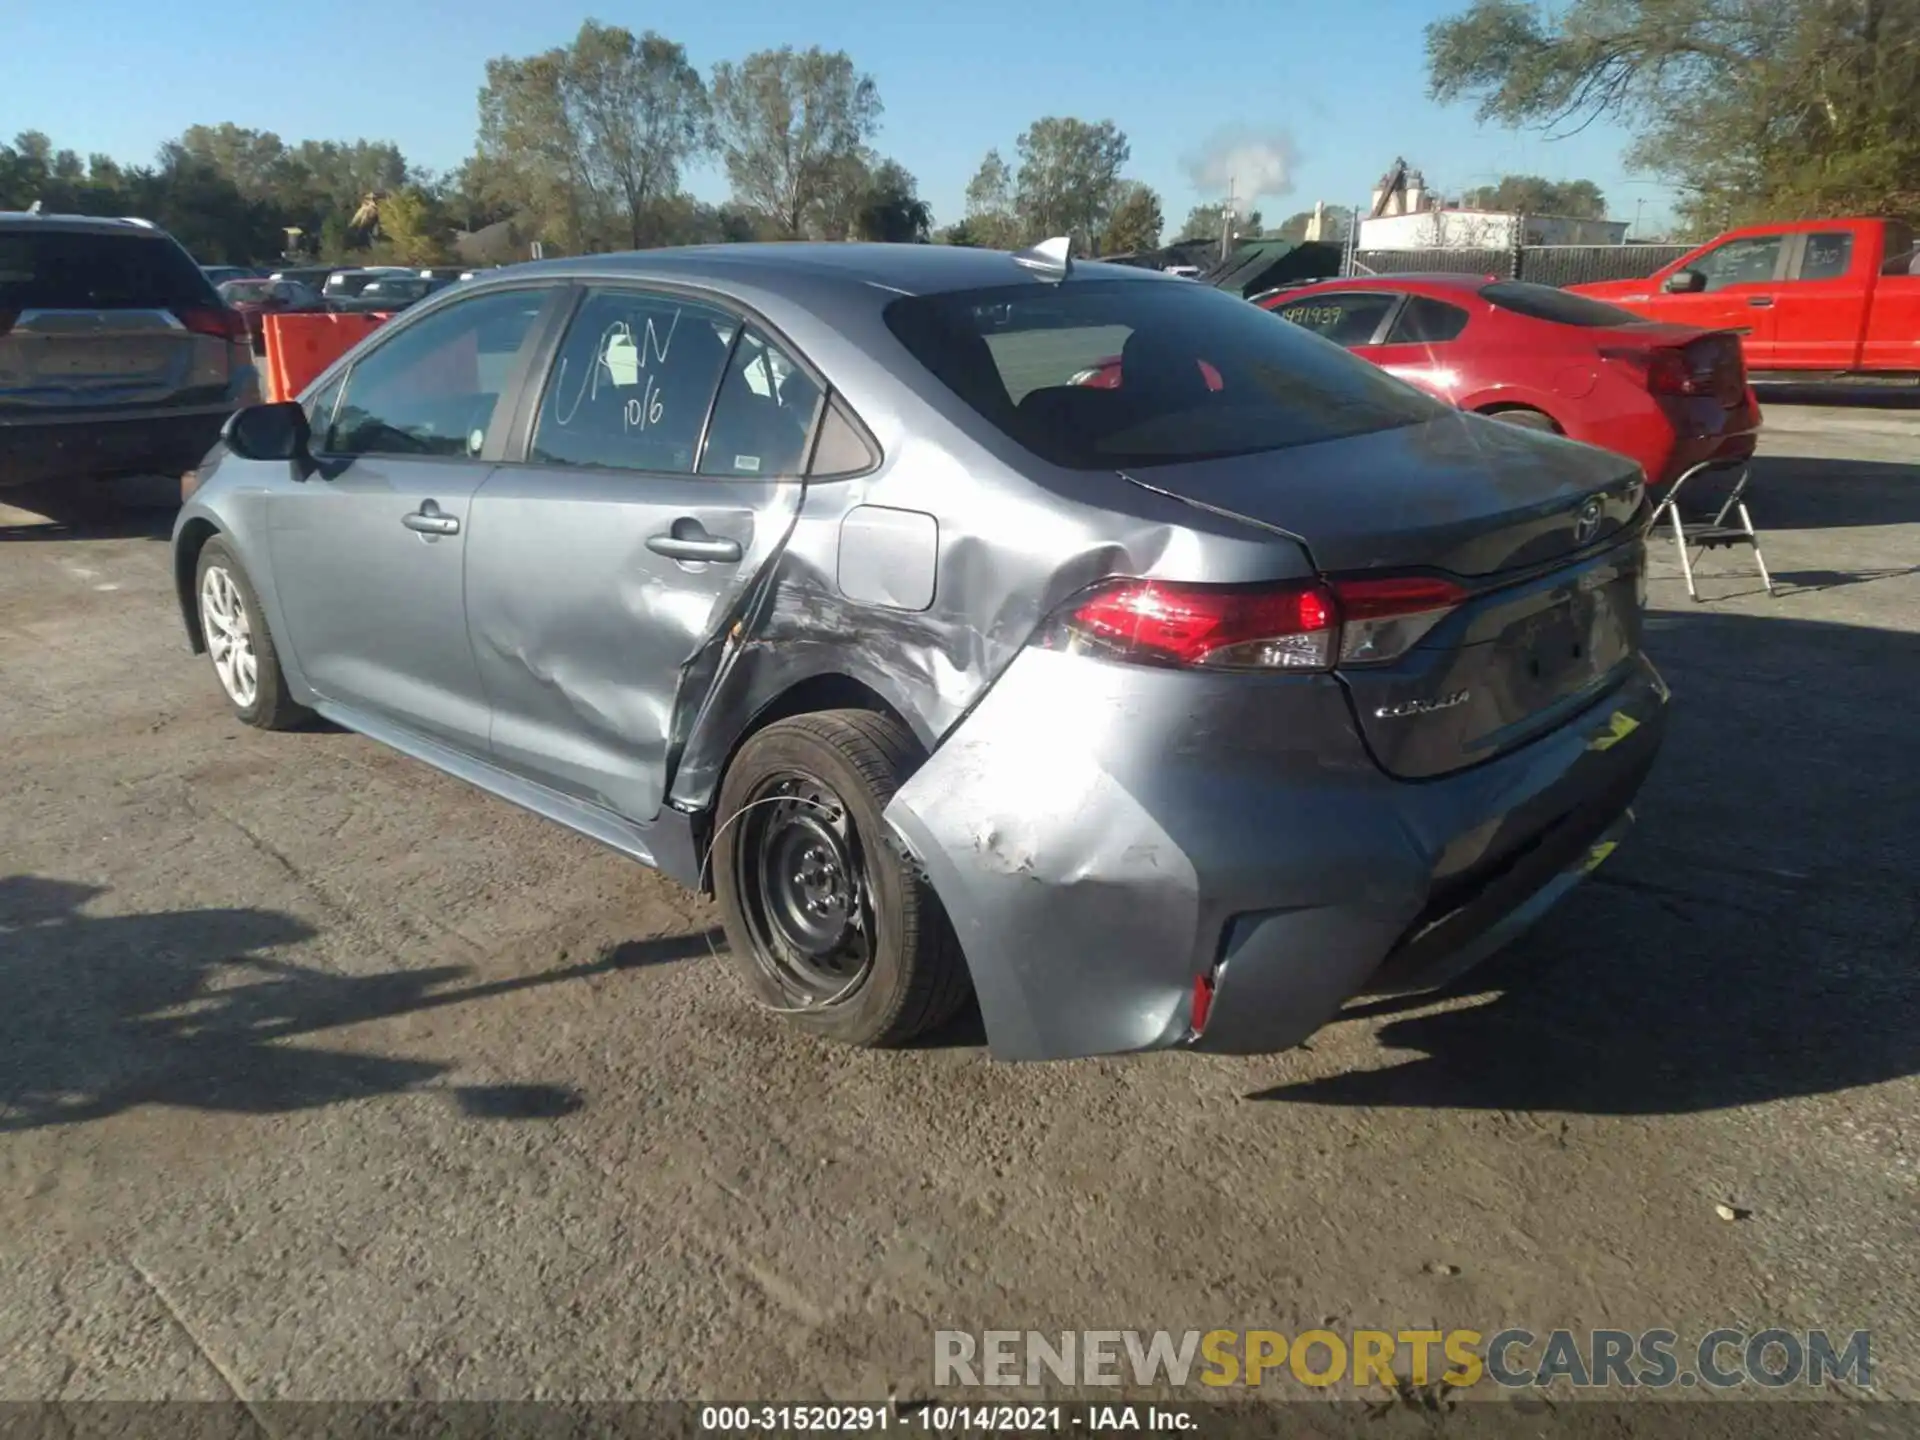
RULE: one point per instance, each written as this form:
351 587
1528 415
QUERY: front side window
1826 256
1202 374
433 387
633 382
1741 262
1348 319
763 415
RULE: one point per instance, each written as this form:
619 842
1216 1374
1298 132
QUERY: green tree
1068 177
531 156
1338 219
963 232
1204 222
788 122
991 221
641 112
890 207
1756 109
1535 195
1135 223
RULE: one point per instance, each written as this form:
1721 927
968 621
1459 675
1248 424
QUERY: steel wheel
802 875
223 617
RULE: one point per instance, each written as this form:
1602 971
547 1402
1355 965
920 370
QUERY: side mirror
1685 282
269 432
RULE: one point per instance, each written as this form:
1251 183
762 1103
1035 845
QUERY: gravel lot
323 1076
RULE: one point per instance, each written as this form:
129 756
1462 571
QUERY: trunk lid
92 318
1546 536
79 359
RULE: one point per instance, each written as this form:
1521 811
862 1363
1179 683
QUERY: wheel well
1510 408
186 559
806 697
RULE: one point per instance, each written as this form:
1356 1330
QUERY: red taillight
1232 627
1712 365
214 320
1202 1005
1293 626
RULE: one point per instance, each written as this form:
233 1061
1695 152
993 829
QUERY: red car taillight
1295 626
214 320
1711 365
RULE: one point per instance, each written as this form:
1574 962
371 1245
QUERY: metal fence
1542 264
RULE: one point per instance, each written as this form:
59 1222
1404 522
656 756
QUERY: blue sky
1344 82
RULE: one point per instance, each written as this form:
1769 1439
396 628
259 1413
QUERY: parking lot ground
325 1076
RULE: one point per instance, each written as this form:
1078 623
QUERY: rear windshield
1109 374
1543 302
79 270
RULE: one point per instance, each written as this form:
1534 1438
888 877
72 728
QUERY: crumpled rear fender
1092 830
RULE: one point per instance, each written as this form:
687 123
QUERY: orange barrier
300 346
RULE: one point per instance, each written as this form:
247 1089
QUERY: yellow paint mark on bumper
1619 726
1598 854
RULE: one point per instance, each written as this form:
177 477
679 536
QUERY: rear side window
85 270
763 416
1427 322
1346 319
1543 302
1201 374
1826 256
633 383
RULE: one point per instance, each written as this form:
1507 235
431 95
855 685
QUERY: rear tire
234 628
1526 419
825 919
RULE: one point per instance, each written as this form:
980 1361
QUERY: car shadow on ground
1753 940
1792 492
190 1009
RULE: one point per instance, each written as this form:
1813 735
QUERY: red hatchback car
1668 396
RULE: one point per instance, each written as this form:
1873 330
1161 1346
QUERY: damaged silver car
1169 714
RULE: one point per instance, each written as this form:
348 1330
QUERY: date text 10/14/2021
937 1419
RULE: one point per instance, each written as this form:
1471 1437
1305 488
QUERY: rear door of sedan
655 476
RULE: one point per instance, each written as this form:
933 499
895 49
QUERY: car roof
906 269
78 224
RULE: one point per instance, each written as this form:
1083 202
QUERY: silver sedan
1170 713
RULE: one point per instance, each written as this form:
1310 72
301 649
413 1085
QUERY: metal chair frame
1704 535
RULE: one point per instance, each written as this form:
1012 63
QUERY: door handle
689 540
1760 302
429 519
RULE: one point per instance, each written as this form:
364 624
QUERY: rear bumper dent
1100 837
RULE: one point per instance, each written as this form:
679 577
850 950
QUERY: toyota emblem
1588 525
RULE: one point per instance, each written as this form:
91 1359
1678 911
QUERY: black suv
116 355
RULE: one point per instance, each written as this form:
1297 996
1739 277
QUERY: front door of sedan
661 479
369 552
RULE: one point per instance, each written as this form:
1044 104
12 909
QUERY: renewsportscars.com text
1512 1358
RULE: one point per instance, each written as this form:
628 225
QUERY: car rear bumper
1101 836
78 448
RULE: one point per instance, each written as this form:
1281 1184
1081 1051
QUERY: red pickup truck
1817 299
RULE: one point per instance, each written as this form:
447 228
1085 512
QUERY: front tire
826 921
239 645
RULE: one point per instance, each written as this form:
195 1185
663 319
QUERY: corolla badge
1588 523
1421 707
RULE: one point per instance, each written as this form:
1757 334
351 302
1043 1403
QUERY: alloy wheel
223 619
